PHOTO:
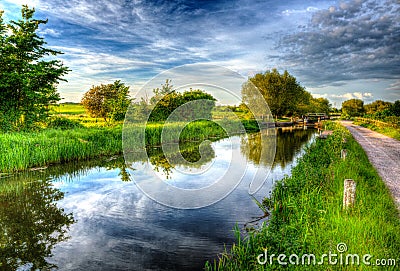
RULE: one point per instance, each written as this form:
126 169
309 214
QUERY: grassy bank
24 150
307 215
392 132
33 149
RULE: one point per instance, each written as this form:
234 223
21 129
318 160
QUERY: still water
91 216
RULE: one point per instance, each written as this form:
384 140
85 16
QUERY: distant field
68 109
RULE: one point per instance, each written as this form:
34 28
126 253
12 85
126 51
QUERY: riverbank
307 216
24 150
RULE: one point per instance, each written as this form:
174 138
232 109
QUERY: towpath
383 153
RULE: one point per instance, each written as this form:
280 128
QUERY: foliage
28 75
109 101
64 123
376 106
319 105
282 92
307 216
186 106
395 108
352 108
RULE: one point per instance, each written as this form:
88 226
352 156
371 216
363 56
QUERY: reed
24 150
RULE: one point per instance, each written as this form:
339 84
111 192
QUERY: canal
92 216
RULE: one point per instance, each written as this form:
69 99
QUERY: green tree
395 108
28 75
320 105
376 106
282 92
166 100
352 108
109 101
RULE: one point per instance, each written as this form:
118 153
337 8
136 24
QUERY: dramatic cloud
354 40
329 49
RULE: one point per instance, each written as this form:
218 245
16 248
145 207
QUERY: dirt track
383 153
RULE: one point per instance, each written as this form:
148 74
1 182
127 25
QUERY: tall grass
307 215
23 150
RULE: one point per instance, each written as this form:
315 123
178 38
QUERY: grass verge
307 215
388 131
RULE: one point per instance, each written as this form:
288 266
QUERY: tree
107 101
395 108
28 76
166 100
320 105
353 108
282 92
376 106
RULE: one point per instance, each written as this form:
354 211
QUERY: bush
64 123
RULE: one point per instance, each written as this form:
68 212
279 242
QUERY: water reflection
289 143
112 225
31 222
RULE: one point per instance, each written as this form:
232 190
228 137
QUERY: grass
307 215
76 136
392 132
76 112
68 109
35 149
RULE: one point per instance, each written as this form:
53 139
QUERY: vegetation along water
307 216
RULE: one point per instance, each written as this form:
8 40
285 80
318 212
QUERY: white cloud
347 96
288 12
50 32
353 95
87 62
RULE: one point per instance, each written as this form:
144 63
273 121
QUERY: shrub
64 123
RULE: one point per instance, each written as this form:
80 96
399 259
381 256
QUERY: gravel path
383 153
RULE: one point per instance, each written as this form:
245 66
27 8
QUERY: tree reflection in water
289 143
31 223
166 158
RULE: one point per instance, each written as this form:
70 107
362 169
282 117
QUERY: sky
336 49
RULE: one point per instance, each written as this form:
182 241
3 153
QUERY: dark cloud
354 40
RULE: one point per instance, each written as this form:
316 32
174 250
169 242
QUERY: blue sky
336 49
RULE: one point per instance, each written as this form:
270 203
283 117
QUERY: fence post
349 193
343 154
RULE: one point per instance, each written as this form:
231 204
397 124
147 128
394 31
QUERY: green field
68 109
73 135
307 216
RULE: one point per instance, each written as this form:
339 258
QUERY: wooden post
349 193
343 154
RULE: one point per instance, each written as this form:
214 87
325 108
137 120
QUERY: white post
343 154
349 193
